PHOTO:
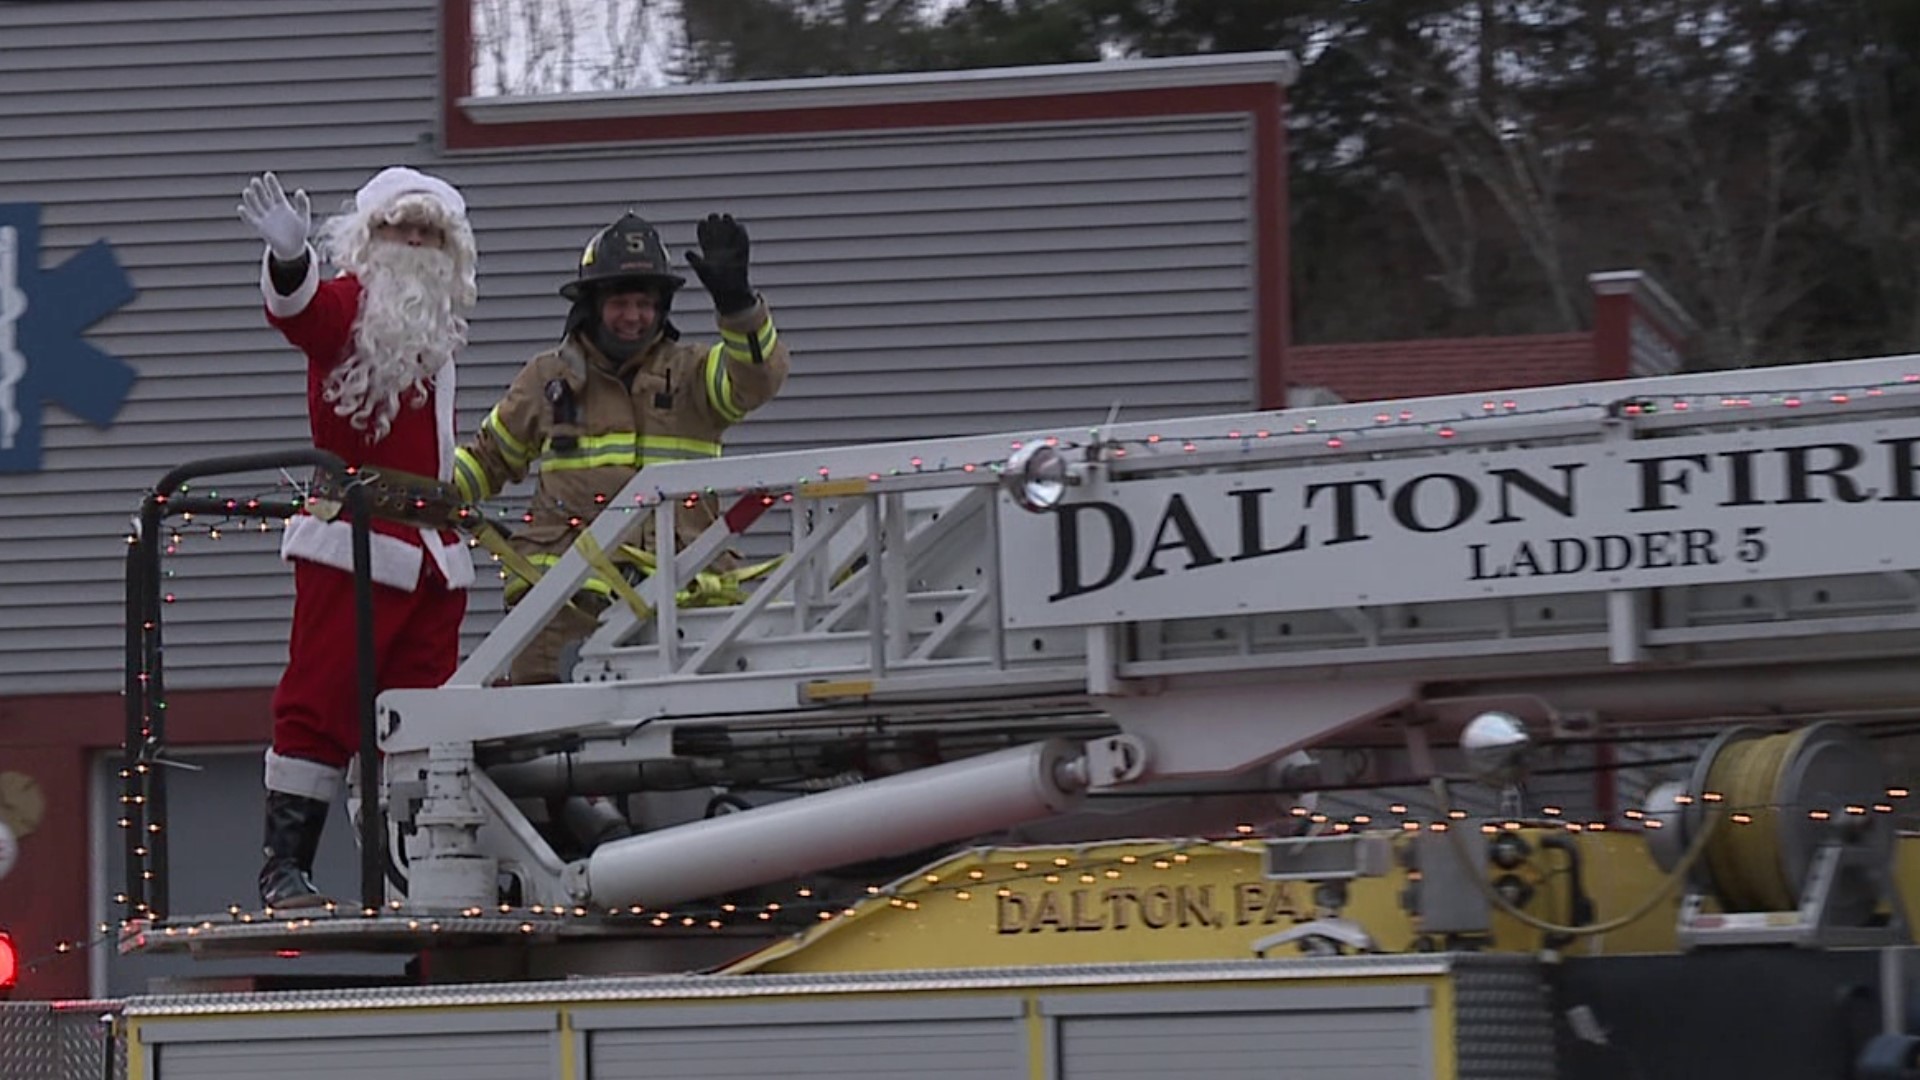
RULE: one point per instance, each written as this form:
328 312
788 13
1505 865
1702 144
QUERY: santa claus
380 339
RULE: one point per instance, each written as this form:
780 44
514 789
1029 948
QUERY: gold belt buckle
324 509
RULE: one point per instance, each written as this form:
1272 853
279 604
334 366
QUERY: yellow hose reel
1799 853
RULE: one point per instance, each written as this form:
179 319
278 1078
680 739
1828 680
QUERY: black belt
391 495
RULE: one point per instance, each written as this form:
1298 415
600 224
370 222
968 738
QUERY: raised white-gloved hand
283 224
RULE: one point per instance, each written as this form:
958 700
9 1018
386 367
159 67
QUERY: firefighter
620 392
379 341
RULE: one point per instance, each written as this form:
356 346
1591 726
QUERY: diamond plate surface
712 987
65 1041
1503 1023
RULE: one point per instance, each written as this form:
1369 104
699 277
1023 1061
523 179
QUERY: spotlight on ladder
1037 477
1497 748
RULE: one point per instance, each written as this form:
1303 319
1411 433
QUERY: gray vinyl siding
930 283
137 123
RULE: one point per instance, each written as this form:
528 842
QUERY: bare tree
545 32
492 31
1728 203
1452 234
629 36
1879 182
1484 131
559 46
1722 138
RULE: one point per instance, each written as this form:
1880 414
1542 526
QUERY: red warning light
9 965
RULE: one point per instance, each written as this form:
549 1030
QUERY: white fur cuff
396 563
298 776
286 307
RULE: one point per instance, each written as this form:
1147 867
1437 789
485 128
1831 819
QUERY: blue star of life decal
43 357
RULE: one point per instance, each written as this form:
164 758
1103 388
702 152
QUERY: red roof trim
1273 322
1375 370
98 721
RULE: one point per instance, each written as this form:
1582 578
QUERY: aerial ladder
956 638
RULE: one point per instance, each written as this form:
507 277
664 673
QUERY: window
523 48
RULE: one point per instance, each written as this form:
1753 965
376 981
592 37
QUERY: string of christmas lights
809 905
1337 438
1342 437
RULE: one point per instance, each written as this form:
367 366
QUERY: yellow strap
709 588
758 569
490 538
596 557
640 557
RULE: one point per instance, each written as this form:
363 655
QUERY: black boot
293 830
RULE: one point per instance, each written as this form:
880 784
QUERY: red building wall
44 901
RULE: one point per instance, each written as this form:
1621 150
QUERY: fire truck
1208 747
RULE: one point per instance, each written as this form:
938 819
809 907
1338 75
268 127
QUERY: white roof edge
1657 299
1103 76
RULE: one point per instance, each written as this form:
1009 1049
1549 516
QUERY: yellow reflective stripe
737 346
667 444
469 476
615 449
609 461
740 345
613 459
720 386
516 452
626 450
608 441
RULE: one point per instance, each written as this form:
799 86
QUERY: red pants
416 642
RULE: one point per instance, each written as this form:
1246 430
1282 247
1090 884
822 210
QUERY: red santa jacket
317 318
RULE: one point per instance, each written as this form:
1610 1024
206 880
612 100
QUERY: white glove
282 224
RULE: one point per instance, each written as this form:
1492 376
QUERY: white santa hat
399 193
392 184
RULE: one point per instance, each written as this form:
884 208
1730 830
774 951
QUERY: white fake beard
406 331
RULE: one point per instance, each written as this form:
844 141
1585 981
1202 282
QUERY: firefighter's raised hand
282 222
721 263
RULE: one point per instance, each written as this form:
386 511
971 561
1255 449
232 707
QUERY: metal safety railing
144 766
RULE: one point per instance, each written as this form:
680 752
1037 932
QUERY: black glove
721 263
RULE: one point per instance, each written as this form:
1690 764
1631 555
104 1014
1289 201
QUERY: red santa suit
420 575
